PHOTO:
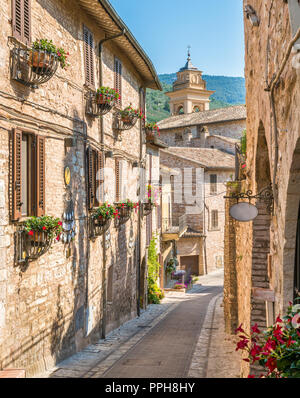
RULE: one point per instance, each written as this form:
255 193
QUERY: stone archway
290 228
261 233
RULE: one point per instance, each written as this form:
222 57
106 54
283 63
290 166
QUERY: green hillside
229 91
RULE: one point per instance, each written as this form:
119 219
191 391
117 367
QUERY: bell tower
189 90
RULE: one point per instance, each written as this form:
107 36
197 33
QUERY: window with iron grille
118 79
214 219
28 175
21 20
213 183
88 41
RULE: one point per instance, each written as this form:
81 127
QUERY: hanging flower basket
152 131
36 65
124 210
128 117
36 236
100 219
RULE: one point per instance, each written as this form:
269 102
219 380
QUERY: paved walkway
181 337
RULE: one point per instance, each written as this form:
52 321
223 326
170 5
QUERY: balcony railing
168 226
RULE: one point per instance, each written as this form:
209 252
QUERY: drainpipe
104 277
204 230
141 100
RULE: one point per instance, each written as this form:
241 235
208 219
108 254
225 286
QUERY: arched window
196 109
180 110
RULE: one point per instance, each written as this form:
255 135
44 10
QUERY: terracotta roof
206 157
231 113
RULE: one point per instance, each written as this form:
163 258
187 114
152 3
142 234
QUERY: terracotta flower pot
150 134
38 59
126 119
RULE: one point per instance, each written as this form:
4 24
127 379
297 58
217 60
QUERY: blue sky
164 28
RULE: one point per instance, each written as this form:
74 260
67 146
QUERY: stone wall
53 308
265 248
193 136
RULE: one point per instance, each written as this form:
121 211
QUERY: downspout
204 230
104 270
141 100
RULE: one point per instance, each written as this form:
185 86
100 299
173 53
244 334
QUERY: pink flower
255 329
239 329
242 344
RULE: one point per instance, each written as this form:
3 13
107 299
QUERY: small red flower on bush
277 349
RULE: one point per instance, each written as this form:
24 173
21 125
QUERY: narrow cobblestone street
173 339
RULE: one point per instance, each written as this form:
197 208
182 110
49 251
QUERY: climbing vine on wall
155 293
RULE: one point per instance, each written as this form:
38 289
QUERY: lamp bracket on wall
251 15
265 195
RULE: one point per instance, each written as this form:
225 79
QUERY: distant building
201 147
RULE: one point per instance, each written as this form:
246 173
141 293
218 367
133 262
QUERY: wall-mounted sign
67 175
243 212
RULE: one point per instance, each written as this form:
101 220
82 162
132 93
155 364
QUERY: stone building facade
79 290
261 256
201 147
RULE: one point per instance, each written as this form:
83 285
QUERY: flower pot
126 119
40 62
150 134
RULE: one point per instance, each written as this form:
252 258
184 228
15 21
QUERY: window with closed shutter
21 20
28 175
213 183
214 219
88 56
118 79
118 180
95 161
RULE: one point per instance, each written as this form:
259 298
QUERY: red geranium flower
30 233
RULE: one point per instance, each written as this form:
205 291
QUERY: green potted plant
39 57
125 208
129 114
152 130
107 95
41 228
104 213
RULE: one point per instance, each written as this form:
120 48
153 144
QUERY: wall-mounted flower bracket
147 208
96 105
126 122
31 247
124 214
32 67
98 226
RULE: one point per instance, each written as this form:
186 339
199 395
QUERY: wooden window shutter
88 56
117 176
118 79
90 178
21 20
16 175
99 178
214 221
40 176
